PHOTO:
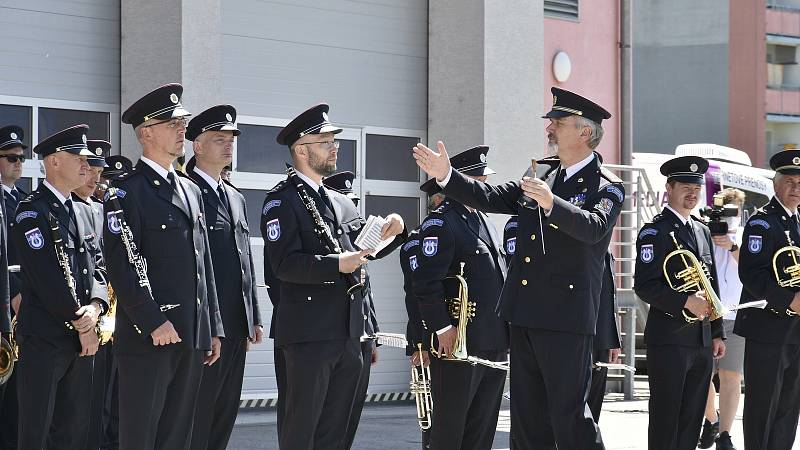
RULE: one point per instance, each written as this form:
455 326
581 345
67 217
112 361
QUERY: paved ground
394 427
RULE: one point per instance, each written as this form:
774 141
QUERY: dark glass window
257 151
21 116
24 184
383 205
254 199
346 157
389 158
53 120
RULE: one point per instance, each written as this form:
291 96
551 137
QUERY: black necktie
71 214
172 182
223 198
560 178
15 194
325 199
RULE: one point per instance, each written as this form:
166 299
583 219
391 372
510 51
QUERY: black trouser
771 395
220 392
54 387
99 389
679 377
361 392
550 376
110 439
321 379
8 414
157 396
466 403
280 383
597 391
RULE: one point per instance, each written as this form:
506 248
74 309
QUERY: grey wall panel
67 50
367 59
681 96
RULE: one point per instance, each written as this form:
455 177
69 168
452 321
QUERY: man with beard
681 340
12 155
213 133
772 334
63 301
168 324
552 293
318 319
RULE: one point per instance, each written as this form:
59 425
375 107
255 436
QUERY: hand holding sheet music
370 236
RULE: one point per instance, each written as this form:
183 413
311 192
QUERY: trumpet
463 310
420 387
9 354
692 278
787 275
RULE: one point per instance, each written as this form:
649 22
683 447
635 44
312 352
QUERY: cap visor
488 171
329 129
554 114
180 112
694 179
790 171
82 152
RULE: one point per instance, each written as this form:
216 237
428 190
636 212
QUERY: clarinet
321 229
63 262
138 261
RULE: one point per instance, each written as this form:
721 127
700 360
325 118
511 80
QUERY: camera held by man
717 213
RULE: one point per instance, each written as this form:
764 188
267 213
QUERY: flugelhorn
420 387
787 275
463 310
691 278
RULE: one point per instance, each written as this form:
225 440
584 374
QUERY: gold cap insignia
348 184
173 98
98 151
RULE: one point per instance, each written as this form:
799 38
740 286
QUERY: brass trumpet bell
786 267
691 276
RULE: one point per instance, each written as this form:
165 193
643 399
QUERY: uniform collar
789 212
162 172
7 189
58 195
214 184
308 180
575 168
677 214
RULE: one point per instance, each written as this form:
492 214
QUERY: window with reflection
389 158
254 199
383 205
25 184
53 120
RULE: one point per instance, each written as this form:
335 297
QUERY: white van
728 167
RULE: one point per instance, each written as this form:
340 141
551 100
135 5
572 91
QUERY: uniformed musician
12 156
466 397
165 331
213 133
679 353
63 301
552 293
93 238
317 323
772 334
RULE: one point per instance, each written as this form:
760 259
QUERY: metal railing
635 213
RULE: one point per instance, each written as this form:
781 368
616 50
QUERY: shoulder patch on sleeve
646 253
617 191
605 204
273 230
759 222
269 205
754 244
647 232
430 245
35 238
27 215
431 223
510 225
410 244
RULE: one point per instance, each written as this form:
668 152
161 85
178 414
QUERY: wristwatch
734 247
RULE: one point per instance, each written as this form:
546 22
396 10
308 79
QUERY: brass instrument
692 278
9 354
420 387
107 323
787 276
463 310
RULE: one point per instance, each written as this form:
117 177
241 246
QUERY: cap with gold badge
786 162
566 103
71 140
162 103
99 150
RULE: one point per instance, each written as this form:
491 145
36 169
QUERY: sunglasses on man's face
13 159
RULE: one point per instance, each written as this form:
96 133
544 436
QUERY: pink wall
747 79
592 47
784 22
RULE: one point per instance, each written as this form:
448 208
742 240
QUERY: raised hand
435 164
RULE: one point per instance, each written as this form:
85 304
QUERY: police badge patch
270 204
273 230
26 215
412 262
578 200
648 232
617 192
113 222
759 222
35 238
605 205
430 245
754 244
511 245
646 253
431 223
410 244
511 225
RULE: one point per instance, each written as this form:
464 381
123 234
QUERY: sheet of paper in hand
370 236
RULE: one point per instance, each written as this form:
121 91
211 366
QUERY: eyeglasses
325 144
14 158
171 123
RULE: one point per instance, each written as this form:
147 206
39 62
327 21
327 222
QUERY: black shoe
709 434
724 442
